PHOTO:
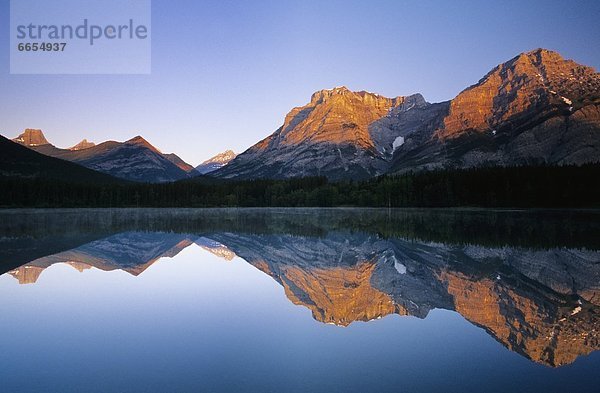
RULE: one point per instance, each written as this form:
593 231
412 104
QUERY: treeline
539 186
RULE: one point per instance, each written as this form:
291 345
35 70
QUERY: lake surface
299 300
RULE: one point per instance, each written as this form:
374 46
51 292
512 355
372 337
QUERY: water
299 300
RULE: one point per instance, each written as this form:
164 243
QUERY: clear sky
225 73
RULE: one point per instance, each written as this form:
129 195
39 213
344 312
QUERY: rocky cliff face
31 137
522 93
535 108
335 116
329 136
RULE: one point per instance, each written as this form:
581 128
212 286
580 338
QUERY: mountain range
17 161
536 108
134 160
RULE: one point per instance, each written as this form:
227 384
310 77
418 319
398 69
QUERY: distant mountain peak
84 144
32 137
216 162
140 141
226 156
137 139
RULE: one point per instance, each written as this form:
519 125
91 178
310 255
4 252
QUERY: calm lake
299 300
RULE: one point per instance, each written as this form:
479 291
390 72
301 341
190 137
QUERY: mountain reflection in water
530 279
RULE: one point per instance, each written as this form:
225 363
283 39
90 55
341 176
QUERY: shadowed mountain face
540 302
535 108
135 159
17 161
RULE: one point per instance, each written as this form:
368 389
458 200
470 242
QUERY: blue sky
225 73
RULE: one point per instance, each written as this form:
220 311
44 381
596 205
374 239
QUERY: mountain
216 162
31 138
535 108
84 144
327 137
175 159
134 160
17 161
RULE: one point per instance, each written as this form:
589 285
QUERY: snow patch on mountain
397 143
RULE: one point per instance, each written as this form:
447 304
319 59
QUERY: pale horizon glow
225 74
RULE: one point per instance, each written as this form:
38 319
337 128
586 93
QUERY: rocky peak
341 92
414 101
322 95
216 162
222 158
336 116
32 137
140 141
520 92
84 144
175 159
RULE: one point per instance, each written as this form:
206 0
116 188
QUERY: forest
529 186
